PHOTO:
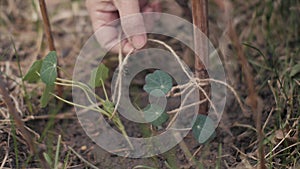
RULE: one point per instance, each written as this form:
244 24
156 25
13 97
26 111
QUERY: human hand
102 12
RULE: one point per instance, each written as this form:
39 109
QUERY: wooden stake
50 38
200 20
47 25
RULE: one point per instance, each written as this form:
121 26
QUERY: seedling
46 70
159 80
158 84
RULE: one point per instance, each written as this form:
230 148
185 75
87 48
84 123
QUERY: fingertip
127 48
139 41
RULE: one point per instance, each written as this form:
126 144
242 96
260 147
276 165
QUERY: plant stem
200 20
57 152
28 103
252 94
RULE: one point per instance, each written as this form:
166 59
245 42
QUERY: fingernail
139 41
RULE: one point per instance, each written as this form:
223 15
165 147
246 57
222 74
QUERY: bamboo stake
200 20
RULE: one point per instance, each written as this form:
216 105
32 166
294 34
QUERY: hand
102 12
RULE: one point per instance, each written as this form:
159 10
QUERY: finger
132 21
101 12
100 5
106 30
126 47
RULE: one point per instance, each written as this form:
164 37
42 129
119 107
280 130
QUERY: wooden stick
50 38
33 148
200 20
16 117
47 25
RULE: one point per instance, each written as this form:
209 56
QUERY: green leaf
295 70
109 106
161 119
49 68
48 159
99 75
155 114
46 95
158 80
32 74
203 129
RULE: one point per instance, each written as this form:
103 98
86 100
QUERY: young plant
46 71
161 82
204 127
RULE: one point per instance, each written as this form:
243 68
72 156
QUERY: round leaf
49 68
203 129
155 114
158 80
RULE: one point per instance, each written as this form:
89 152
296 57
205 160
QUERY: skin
103 12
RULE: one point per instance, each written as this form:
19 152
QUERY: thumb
132 21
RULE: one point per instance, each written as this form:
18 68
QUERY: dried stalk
16 117
49 38
253 97
20 125
200 20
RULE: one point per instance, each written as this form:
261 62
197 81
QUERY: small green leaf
295 70
49 68
109 106
32 74
99 75
161 119
155 114
203 129
46 95
158 80
48 159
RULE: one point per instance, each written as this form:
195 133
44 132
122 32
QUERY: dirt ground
268 32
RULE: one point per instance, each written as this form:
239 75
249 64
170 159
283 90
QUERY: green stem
28 103
103 87
13 128
81 106
85 92
83 87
